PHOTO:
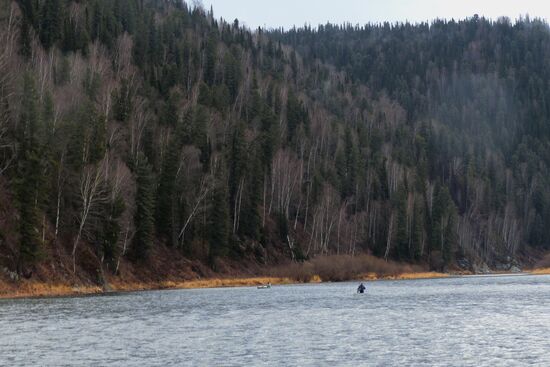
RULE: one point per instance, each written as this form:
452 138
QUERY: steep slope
147 140
475 97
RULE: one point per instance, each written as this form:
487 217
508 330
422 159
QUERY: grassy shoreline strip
39 289
35 290
541 271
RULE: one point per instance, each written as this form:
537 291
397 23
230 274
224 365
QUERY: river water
469 321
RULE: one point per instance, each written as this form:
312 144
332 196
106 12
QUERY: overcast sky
286 13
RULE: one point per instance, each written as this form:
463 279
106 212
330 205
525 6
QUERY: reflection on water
473 321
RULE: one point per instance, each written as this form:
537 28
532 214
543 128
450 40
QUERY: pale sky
286 13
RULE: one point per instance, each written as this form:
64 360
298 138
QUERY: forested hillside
475 129
130 128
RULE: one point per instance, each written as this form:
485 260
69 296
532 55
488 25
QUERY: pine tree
145 206
48 118
351 164
232 75
211 56
29 121
268 138
199 134
123 102
294 115
29 170
442 222
256 105
250 218
205 95
451 239
221 98
92 84
62 73
170 115
111 229
140 49
218 224
30 184
166 199
341 171
29 9
401 237
25 39
98 144
50 23
418 230
184 131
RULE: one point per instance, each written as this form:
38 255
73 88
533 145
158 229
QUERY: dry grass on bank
28 289
405 276
542 267
199 283
541 271
32 290
344 267
322 269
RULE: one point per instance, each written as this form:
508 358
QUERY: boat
265 286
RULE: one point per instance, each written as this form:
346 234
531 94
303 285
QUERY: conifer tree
268 138
25 39
211 56
205 95
218 223
29 121
250 217
199 134
27 194
98 144
169 116
401 237
144 215
30 176
111 229
123 102
50 23
232 75
451 240
418 230
166 209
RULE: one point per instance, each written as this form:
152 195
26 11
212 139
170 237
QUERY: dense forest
127 126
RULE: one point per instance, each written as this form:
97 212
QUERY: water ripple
473 321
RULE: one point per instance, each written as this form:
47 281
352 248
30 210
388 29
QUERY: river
468 321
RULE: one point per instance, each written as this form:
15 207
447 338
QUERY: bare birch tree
92 194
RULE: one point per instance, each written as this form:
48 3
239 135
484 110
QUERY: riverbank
53 281
28 289
35 289
542 271
31 289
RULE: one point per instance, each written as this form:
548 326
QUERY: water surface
471 321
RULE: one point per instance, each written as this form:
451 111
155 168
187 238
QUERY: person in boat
361 288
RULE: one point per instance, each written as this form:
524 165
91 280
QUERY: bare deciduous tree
8 38
92 194
189 166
